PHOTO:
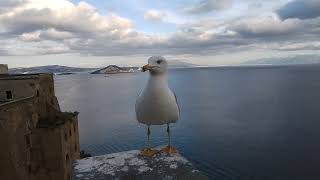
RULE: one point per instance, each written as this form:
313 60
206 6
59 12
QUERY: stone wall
16 121
19 88
57 165
71 145
40 142
22 86
3 69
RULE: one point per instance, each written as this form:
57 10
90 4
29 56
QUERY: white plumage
157 104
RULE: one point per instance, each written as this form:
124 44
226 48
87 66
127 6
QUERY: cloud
6 5
37 27
48 34
301 9
266 26
205 6
311 45
154 15
28 47
66 23
82 18
29 37
54 34
10 3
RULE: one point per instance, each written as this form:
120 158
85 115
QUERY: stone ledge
131 165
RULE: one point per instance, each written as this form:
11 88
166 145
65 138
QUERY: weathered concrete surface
131 165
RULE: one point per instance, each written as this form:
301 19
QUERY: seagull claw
169 150
148 152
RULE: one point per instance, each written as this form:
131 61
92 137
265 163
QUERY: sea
255 122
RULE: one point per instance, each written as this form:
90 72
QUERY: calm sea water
236 123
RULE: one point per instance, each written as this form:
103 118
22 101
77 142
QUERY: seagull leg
149 132
148 151
169 149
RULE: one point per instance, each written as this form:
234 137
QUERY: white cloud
154 15
62 20
48 34
37 27
52 33
62 16
29 37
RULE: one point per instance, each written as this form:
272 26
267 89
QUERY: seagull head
156 65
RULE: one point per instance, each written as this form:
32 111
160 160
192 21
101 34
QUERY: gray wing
175 96
138 96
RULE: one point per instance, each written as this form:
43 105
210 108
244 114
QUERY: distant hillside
48 69
301 59
113 69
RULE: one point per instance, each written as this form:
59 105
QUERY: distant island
55 69
113 69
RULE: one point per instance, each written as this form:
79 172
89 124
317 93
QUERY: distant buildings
38 141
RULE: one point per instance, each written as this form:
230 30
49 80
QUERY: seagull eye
159 61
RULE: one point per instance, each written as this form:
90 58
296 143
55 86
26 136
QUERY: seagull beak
146 68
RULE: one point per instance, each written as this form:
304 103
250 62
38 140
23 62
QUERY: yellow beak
146 68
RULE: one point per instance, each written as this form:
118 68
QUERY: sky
95 33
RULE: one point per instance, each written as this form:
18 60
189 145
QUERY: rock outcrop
113 69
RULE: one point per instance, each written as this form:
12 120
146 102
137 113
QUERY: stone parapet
132 165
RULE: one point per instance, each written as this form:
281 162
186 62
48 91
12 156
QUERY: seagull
157 104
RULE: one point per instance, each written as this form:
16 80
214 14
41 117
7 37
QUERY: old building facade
3 69
39 142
